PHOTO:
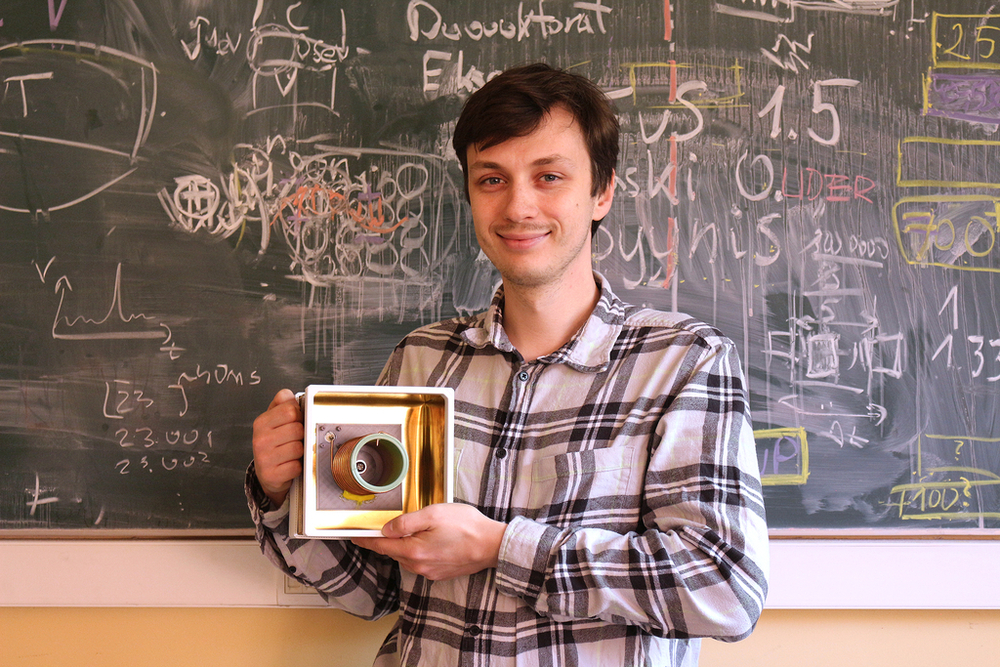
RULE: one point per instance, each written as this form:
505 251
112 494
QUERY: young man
609 510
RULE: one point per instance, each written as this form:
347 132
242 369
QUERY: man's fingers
277 414
379 545
277 444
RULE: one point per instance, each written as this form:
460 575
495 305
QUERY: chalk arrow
876 410
43 272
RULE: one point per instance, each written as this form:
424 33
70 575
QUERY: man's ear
603 202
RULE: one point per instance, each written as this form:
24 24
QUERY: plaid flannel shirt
624 464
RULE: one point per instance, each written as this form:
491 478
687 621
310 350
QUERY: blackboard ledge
123 534
884 534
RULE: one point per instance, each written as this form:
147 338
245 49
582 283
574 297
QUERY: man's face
531 203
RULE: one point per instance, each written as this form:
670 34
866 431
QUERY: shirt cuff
523 558
261 507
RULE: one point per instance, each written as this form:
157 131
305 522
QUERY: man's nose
521 202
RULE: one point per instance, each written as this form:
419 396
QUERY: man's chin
525 278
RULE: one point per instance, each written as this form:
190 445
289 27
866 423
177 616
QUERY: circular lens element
374 463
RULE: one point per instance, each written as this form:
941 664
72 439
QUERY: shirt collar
588 351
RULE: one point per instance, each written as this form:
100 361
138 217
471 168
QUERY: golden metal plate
422 418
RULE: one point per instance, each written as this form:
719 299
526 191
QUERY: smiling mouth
522 234
521 241
523 237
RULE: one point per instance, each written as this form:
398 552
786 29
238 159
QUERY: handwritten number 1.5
775 104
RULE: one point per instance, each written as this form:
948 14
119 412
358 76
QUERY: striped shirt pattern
624 465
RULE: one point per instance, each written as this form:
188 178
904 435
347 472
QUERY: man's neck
538 321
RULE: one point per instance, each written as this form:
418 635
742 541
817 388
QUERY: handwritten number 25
990 43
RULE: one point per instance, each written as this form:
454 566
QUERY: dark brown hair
514 103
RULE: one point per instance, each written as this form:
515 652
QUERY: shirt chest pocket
600 488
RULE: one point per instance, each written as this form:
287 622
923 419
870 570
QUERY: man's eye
550 178
492 180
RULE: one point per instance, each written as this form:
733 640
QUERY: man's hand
440 541
277 446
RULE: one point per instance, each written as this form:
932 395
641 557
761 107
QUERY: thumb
406 524
283 396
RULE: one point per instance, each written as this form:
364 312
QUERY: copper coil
373 463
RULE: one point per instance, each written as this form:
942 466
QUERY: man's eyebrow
540 162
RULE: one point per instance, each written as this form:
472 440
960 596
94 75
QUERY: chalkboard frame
170 54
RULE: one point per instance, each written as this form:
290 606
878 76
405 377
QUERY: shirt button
501 453
474 630
523 376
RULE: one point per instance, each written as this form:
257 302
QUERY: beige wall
155 637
